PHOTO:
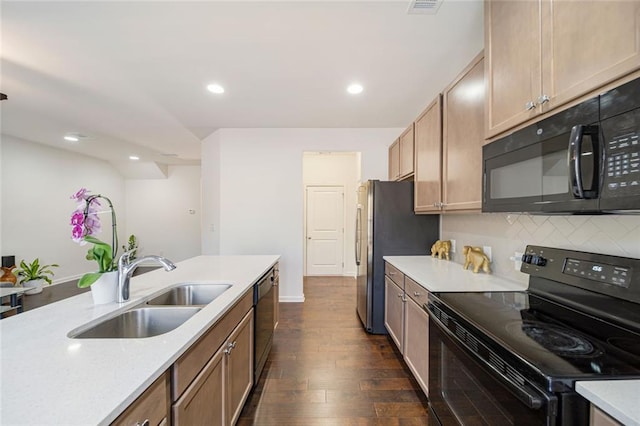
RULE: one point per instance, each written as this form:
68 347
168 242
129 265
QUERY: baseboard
292 299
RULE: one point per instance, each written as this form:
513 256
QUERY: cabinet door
394 160
600 418
239 367
428 154
513 62
587 44
203 401
394 312
406 152
462 139
416 353
151 406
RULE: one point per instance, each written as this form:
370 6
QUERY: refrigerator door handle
358 247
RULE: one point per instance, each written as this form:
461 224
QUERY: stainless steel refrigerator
386 226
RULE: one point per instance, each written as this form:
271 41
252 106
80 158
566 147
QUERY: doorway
331 180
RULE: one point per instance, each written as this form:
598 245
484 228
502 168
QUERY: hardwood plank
324 369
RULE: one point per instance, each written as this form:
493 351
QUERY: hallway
324 369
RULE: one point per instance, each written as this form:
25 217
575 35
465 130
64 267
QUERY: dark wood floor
324 369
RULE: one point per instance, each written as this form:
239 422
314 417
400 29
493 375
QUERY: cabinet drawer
187 367
415 291
395 274
152 405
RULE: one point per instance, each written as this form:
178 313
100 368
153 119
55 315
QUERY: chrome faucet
126 268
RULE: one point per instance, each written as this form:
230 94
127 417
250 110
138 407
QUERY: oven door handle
532 400
578 133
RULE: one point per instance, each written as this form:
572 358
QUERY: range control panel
613 275
610 274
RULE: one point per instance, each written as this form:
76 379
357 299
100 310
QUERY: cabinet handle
416 294
530 105
144 423
400 295
230 347
543 99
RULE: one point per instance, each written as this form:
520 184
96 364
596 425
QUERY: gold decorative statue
441 248
7 275
475 256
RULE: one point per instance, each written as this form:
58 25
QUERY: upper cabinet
428 153
543 54
449 139
401 156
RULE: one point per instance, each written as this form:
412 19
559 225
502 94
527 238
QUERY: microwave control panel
622 164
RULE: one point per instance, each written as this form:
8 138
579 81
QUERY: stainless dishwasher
264 302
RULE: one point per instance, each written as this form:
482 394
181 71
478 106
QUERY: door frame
304 228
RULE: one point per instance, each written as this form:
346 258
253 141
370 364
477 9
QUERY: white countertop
618 398
438 275
47 378
8 291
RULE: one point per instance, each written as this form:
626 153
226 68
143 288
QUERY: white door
325 230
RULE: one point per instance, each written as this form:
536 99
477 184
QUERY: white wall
158 213
37 182
616 235
261 188
336 169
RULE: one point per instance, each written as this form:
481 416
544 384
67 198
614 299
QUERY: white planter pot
34 286
105 290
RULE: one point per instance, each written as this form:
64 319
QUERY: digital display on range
602 272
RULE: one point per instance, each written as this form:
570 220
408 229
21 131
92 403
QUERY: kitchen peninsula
49 378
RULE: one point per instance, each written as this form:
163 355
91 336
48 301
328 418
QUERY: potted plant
33 275
131 247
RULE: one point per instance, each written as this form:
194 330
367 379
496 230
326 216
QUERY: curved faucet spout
126 268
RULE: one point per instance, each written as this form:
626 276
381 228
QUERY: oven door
464 390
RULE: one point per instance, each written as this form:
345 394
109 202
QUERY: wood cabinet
211 381
416 333
238 368
542 54
600 418
428 153
394 160
394 311
401 156
449 139
276 288
462 139
152 406
407 322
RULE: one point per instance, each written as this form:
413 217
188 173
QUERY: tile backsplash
617 235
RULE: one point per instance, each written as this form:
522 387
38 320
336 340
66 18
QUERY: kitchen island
48 378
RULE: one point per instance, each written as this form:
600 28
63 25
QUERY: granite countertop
49 378
618 398
438 275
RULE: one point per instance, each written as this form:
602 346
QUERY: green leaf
88 279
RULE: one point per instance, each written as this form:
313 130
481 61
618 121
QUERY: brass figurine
441 248
475 256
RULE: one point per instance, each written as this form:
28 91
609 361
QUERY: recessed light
355 88
71 138
134 157
215 88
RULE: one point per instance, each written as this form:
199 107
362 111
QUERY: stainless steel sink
190 294
139 322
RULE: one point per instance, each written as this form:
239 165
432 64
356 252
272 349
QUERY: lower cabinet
407 322
600 418
394 311
151 408
238 368
416 333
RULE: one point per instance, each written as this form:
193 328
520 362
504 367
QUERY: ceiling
132 76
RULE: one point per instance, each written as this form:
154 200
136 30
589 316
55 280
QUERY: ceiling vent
424 7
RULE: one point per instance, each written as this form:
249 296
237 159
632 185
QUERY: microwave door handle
575 162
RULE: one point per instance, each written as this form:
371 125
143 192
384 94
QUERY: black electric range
579 320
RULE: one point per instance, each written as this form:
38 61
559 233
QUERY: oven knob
539 261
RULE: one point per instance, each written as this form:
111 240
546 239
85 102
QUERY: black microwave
584 160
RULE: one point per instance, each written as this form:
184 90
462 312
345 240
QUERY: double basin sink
157 315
